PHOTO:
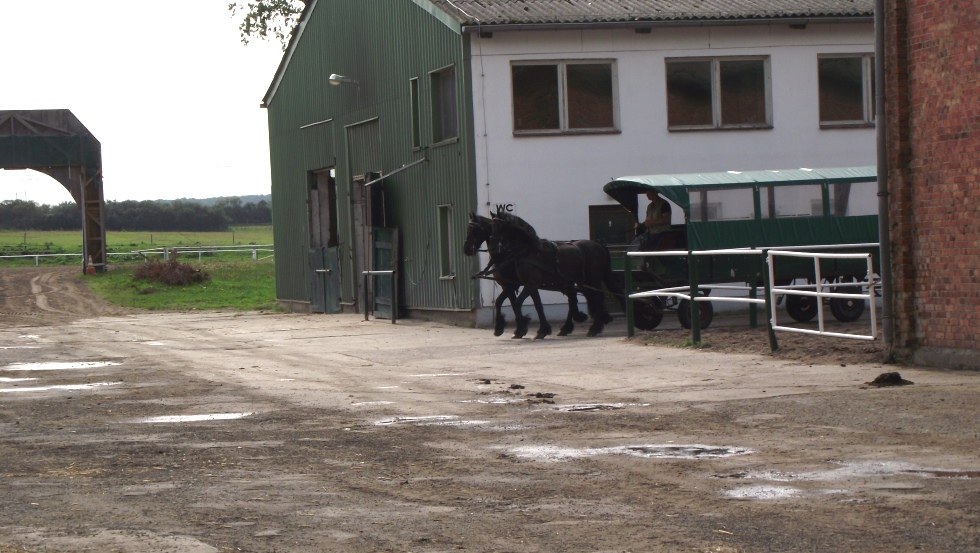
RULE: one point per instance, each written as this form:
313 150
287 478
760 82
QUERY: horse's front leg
573 314
519 317
498 318
544 328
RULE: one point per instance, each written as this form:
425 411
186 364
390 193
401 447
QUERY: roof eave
288 54
647 24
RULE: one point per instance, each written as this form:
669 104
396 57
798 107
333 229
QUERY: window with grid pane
444 121
718 93
563 97
846 90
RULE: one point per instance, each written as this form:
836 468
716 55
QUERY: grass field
238 285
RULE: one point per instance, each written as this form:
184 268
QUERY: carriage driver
653 233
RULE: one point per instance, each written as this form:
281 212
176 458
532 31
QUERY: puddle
195 418
857 470
853 470
762 492
29 337
433 375
59 366
598 406
5 379
363 403
494 401
432 420
20 347
62 387
649 451
154 343
965 474
386 387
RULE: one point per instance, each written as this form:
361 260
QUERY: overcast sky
167 88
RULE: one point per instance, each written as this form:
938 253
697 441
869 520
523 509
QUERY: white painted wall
551 180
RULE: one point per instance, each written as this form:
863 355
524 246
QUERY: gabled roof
472 13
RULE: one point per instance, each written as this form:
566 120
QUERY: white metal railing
802 290
676 291
165 252
819 294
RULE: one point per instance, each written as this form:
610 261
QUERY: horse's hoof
580 317
594 331
542 332
565 331
498 331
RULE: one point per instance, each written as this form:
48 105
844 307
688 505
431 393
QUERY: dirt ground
129 431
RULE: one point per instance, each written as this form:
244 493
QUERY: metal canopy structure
54 142
677 187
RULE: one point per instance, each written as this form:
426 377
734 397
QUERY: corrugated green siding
383 44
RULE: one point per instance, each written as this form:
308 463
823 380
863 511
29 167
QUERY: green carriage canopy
678 187
755 231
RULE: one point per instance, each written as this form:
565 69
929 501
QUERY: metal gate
325 263
384 273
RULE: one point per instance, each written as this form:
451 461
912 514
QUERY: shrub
170 273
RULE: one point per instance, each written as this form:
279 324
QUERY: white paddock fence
257 253
818 289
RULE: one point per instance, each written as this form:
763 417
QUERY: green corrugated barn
368 143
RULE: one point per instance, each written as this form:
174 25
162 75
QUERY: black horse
478 232
569 267
503 271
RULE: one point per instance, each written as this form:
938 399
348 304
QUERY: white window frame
437 106
563 117
867 91
715 71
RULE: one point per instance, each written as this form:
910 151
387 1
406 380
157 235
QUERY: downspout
885 255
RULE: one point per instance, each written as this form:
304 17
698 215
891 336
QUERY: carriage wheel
706 313
647 314
801 308
847 310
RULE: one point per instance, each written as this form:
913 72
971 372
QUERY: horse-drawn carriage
788 209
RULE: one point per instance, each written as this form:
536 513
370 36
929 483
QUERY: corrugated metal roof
523 12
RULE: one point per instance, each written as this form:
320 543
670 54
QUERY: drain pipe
885 254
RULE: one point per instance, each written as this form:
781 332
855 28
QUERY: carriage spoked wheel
847 310
647 314
706 313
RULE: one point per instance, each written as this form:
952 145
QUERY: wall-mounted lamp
336 79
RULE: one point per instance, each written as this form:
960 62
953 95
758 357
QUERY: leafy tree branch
267 19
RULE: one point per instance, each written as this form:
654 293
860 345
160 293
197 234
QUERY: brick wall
932 65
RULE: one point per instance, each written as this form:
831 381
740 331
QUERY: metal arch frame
55 142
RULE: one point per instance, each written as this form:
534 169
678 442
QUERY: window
444 104
846 90
416 115
718 93
563 97
445 242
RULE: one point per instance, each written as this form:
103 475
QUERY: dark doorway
324 242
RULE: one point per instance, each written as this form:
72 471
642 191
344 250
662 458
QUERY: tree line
175 215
